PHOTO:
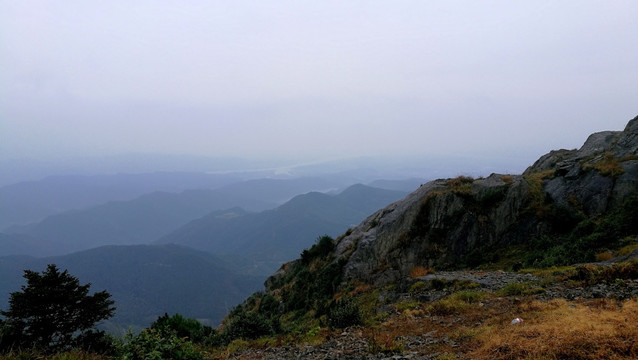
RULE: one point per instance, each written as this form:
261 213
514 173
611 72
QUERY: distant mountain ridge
31 201
150 216
137 221
274 236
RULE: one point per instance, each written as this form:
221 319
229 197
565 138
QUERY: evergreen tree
53 312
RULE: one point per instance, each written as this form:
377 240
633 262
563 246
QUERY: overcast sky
313 78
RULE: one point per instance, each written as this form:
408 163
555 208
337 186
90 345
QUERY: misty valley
196 244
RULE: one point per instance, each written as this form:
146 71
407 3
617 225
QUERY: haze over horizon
313 80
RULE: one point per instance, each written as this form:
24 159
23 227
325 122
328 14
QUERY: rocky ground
358 343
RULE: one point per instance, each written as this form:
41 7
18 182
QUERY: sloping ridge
462 222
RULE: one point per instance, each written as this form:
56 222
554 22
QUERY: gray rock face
445 223
436 227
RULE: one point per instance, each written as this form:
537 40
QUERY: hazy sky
259 78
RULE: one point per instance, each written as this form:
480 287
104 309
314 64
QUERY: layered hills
148 217
148 280
272 237
31 201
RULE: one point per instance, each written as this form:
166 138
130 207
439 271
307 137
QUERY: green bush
183 327
322 248
249 325
155 344
588 237
418 287
593 274
344 313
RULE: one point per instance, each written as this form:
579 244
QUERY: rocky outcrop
449 223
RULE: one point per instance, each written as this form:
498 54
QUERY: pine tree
52 312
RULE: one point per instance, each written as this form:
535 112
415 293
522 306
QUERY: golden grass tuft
607 165
604 256
508 179
461 185
562 330
419 271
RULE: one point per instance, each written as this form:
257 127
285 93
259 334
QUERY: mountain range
148 280
148 217
272 237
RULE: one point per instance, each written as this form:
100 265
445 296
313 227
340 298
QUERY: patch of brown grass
562 330
361 289
419 271
461 185
385 343
607 165
508 179
604 256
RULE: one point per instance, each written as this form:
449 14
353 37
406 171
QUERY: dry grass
607 165
461 185
556 329
626 250
508 179
604 256
561 330
419 271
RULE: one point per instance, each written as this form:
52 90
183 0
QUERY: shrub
418 287
183 327
155 344
322 248
593 274
461 185
248 325
343 313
